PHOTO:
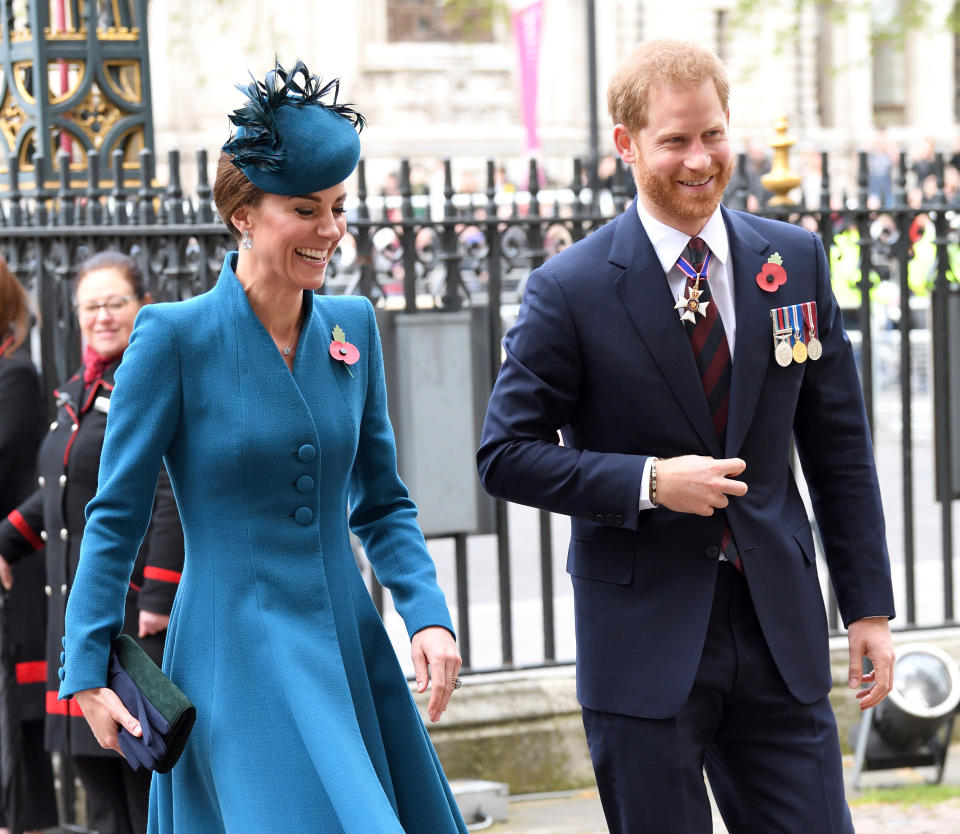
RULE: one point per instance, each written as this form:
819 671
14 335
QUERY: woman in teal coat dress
267 403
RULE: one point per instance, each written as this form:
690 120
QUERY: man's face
681 159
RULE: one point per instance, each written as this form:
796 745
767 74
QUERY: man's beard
664 193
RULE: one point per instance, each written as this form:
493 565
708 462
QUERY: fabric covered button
42 481
63 658
61 673
307 453
712 552
303 515
64 534
48 590
305 483
63 641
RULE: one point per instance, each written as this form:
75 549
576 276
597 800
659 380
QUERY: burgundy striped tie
712 354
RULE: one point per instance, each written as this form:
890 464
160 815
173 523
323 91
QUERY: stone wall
523 728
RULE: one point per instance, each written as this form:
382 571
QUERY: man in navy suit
677 351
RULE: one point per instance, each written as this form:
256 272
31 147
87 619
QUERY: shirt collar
669 243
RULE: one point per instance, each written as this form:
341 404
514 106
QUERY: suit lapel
644 291
748 251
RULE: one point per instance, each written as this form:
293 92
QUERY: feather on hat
288 140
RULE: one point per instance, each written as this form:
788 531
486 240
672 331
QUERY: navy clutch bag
165 714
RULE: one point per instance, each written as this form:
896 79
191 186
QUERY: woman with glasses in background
109 293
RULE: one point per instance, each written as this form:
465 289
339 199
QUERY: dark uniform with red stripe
53 517
25 617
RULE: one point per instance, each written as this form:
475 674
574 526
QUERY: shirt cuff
645 502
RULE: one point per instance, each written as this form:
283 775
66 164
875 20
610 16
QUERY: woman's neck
277 304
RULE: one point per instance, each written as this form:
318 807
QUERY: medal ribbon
781 318
796 317
689 271
810 320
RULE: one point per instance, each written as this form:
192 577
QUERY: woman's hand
151 623
104 712
6 574
435 654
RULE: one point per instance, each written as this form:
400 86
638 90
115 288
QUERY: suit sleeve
836 453
163 546
382 513
144 414
20 409
20 530
536 394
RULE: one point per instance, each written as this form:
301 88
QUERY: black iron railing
411 251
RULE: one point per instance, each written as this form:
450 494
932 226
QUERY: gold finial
781 180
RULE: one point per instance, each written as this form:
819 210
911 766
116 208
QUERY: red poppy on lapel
342 350
772 275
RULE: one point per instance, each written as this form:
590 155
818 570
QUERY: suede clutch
165 714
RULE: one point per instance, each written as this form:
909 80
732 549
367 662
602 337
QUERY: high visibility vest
922 268
845 272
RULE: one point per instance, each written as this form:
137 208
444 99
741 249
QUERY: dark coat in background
52 518
25 615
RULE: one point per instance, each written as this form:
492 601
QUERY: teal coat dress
305 722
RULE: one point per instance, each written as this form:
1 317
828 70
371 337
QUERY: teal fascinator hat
290 141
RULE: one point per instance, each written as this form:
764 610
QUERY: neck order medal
692 305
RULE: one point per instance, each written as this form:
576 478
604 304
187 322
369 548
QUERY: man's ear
626 146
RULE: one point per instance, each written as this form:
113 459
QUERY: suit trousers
117 795
773 763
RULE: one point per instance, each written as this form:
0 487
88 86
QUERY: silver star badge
692 305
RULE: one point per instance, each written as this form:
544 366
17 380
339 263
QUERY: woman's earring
246 242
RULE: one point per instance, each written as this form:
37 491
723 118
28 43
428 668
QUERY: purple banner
527 24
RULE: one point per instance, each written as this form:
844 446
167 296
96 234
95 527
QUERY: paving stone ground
580 812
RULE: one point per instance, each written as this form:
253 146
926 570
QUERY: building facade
440 82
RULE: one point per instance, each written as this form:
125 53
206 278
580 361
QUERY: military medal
781 339
814 348
796 326
692 305
799 351
783 354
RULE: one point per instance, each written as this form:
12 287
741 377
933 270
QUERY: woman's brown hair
14 307
111 259
231 191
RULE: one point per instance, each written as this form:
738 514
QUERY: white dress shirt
669 243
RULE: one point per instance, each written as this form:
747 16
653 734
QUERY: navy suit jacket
600 354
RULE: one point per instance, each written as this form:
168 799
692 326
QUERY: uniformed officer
109 293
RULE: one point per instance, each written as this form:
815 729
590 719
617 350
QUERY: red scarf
94 364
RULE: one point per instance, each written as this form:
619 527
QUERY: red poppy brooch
342 350
772 275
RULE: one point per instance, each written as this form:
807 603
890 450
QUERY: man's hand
435 654
151 623
698 484
6 574
870 637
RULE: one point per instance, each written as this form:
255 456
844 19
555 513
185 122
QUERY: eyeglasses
113 305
